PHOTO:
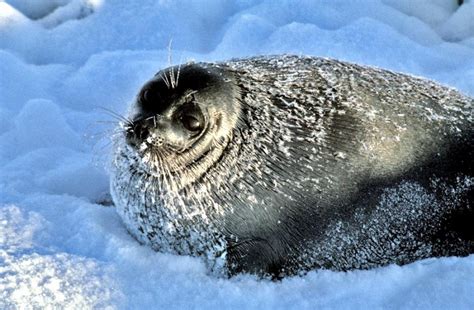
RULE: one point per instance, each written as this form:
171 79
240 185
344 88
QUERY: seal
276 165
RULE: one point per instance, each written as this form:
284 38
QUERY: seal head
179 126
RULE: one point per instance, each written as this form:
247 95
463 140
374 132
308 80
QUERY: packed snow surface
64 64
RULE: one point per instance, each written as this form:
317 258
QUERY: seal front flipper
254 256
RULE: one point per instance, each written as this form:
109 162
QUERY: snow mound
68 67
51 13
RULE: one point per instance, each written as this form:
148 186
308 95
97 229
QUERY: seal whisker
108 122
170 65
115 115
177 75
172 78
164 78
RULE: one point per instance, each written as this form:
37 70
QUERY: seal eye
190 122
191 117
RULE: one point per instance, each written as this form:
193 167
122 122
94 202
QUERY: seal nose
138 132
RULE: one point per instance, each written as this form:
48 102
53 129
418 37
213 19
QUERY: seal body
280 164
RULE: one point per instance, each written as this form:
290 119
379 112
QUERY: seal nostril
143 132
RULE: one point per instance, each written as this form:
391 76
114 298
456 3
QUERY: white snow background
62 61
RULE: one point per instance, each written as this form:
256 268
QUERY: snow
65 63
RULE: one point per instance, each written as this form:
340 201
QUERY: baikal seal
276 165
